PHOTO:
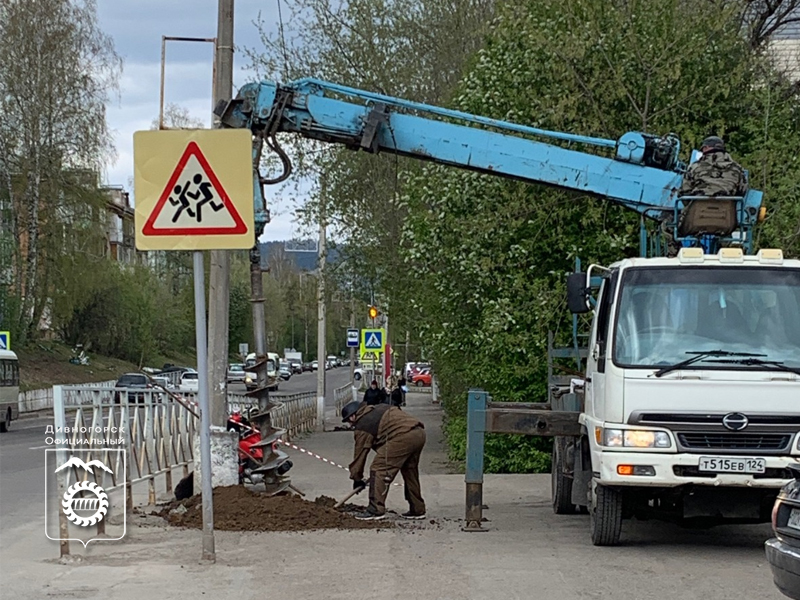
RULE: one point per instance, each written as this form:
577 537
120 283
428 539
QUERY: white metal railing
155 428
296 413
344 395
42 399
154 431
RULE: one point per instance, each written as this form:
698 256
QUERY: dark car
783 551
307 367
132 381
297 367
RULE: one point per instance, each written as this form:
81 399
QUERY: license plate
732 465
794 519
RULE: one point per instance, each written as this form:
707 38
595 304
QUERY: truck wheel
6 422
606 516
560 484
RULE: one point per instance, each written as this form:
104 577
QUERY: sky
136 26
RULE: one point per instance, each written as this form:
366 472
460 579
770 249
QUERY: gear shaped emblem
84 504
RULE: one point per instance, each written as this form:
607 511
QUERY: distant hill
303 260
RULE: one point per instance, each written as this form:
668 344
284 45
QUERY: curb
35 414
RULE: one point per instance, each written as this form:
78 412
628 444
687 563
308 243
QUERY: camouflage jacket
715 174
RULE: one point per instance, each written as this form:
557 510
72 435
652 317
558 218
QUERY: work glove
359 484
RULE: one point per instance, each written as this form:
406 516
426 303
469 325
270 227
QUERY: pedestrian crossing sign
5 340
372 340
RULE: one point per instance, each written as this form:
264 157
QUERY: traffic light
373 312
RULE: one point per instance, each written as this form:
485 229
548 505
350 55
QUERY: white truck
273 361
690 410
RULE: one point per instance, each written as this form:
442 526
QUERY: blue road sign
5 340
352 338
372 339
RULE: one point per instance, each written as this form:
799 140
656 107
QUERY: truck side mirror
577 293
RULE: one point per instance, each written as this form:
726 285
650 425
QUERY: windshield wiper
777 365
700 355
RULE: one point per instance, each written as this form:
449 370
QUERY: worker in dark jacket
715 173
374 395
398 439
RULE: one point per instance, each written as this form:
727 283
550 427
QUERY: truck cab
273 362
690 410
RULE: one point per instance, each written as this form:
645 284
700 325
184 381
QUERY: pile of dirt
329 502
238 509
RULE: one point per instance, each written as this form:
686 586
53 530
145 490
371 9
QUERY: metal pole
220 268
321 324
259 321
352 325
163 68
387 358
205 418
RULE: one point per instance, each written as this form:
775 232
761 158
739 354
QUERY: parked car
285 371
236 373
423 378
783 551
307 367
190 381
314 365
297 366
132 381
416 369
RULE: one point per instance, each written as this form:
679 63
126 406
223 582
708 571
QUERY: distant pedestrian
396 395
374 395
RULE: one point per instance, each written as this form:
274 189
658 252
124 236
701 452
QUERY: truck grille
734 441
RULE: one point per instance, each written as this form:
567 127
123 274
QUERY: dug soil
236 508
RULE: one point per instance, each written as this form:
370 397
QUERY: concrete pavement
527 552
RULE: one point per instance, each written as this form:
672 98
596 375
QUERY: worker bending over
398 439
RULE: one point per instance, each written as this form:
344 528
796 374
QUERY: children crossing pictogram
194 202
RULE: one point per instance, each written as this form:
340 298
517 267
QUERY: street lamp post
321 325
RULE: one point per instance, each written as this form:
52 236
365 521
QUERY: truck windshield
665 312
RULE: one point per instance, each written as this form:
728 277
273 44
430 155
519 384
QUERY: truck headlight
633 438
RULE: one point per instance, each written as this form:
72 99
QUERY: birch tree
57 70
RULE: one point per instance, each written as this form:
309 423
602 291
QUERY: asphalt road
22 472
307 382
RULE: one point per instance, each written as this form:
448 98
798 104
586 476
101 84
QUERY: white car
190 381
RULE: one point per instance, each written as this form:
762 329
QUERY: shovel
346 498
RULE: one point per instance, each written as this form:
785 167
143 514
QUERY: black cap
349 410
714 142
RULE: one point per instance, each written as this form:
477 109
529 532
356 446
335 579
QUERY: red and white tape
314 454
322 458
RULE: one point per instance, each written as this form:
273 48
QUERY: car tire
419 384
357 376
560 483
5 424
605 516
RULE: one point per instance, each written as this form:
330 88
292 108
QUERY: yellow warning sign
368 357
193 190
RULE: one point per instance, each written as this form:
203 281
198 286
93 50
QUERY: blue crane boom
643 172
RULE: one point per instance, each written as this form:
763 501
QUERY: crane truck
689 405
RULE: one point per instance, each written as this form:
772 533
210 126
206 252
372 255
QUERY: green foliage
129 314
490 256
